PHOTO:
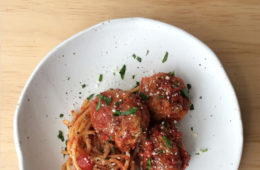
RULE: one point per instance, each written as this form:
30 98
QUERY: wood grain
31 28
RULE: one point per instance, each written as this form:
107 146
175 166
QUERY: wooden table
31 28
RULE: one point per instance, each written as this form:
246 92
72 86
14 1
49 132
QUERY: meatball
119 116
163 149
166 96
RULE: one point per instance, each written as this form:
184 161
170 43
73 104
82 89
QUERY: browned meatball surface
166 96
119 116
163 149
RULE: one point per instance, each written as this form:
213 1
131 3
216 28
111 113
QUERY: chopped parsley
171 73
161 96
125 113
197 153
160 152
66 142
139 59
99 103
68 78
118 103
204 150
60 136
107 100
189 86
185 93
168 142
200 97
191 107
137 84
147 52
100 77
173 86
133 76
61 115
112 149
90 96
149 164
110 140
83 86
122 71
143 96
107 158
191 128
165 57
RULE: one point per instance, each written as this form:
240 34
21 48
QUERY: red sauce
84 162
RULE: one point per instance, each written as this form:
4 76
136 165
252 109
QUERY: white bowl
56 84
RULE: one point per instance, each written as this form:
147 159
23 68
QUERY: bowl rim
130 19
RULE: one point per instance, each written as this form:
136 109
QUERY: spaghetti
83 140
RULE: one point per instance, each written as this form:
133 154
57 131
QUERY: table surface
31 28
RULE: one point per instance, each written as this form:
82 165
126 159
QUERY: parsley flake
189 86
118 103
99 102
61 115
185 93
83 86
125 113
112 149
139 59
66 142
122 71
134 56
137 84
147 52
149 164
90 96
168 142
191 107
143 96
171 73
107 100
204 150
165 57
100 77
60 136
